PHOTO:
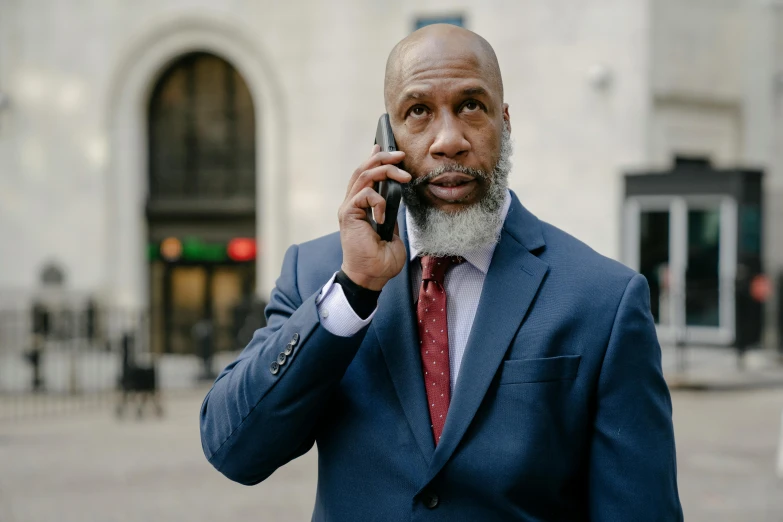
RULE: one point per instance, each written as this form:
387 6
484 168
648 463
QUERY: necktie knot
434 268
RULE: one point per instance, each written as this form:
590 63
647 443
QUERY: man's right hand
367 260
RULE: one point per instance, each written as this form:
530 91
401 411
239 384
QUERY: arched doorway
201 204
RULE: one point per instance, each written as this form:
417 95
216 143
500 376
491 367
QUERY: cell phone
389 189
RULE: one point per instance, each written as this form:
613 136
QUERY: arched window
201 132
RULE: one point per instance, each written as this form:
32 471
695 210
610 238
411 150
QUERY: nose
449 142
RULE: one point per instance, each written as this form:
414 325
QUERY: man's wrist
368 283
363 300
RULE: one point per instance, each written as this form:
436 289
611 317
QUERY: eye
418 111
472 106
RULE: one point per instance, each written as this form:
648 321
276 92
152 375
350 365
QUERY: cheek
415 153
487 149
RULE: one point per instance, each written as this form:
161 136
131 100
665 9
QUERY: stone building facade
596 89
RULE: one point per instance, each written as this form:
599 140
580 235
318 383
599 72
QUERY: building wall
698 66
713 80
715 93
72 151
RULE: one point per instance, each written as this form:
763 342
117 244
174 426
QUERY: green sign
194 250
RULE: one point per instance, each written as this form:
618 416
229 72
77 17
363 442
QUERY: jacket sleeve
258 417
632 468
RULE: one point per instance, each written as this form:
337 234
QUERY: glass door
710 270
184 295
188 303
654 260
686 248
232 290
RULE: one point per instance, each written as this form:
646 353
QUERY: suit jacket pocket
560 368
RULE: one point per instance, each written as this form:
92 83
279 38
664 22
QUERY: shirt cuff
336 313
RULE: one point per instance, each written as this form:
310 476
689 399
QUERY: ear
506 117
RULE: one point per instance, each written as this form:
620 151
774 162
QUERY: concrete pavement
89 467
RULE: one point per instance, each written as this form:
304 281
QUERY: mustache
456 167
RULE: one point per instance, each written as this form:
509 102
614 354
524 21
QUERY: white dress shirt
463 284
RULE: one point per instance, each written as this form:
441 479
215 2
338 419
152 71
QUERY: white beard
441 233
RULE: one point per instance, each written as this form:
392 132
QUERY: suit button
430 500
274 368
289 348
281 358
294 339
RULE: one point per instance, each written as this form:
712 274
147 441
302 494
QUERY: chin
456 205
453 207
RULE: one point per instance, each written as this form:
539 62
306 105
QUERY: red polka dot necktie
434 338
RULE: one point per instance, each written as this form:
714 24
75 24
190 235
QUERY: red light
761 288
242 249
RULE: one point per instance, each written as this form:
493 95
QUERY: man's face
444 112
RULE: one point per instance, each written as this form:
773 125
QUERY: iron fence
66 356
64 359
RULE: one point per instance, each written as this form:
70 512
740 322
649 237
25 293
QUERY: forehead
440 69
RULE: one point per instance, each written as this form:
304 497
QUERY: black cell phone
389 189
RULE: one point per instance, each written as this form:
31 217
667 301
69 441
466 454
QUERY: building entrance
201 207
695 234
190 296
679 241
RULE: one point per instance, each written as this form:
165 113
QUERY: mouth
452 186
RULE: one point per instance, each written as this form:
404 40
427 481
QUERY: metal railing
63 359
66 356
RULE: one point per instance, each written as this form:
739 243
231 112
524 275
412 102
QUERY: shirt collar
480 258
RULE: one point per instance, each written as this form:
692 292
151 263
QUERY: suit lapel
510 287
397 334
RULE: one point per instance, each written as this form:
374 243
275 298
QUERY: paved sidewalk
89 467
713 368
727 443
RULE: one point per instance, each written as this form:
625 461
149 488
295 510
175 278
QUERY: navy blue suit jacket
560 412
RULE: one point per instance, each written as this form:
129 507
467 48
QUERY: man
482 366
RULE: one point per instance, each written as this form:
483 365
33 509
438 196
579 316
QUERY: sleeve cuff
336 314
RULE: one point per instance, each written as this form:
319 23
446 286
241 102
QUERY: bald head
441 43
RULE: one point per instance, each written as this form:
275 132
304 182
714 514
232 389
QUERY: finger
375 160
368 198
379 212
371 176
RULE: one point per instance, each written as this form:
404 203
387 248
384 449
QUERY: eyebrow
474 91
419 94
415 95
